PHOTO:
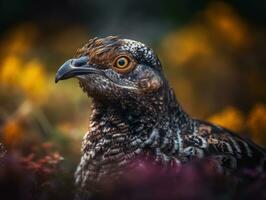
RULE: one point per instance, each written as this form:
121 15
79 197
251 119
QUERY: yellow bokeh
257 123
20 40
33 80
10 70
29 78
227 24
184 45
230 118
216 27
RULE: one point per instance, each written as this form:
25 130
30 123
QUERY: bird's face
114 69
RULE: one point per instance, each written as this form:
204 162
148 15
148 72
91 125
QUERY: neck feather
160 111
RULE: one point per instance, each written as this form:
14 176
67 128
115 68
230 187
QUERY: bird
135 114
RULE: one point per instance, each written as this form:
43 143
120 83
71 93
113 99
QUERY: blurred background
213 53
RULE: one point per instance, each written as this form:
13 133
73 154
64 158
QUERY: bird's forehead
140 51
134 47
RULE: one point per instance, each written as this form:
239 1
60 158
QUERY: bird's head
115 69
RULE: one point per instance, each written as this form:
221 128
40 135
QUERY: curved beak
73 68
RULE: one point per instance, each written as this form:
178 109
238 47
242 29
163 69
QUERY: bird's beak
73 68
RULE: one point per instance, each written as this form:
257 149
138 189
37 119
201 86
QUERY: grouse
135 113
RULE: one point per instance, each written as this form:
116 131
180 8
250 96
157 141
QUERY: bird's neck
160 111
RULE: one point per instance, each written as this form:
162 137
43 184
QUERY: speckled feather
137 115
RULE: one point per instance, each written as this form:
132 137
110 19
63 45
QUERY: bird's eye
123 64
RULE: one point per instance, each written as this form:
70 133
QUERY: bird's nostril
80 61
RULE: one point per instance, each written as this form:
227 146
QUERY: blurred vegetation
213 53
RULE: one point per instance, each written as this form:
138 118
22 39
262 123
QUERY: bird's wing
231 150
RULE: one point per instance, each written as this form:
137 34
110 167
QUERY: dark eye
123 64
